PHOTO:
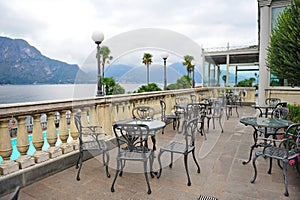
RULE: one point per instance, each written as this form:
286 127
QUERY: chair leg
116 175
208 119
151 158
171 163
146 176
194 157
270 166
160 166
236 109
286 193
221 124
106 154
187 170
80 165
255 169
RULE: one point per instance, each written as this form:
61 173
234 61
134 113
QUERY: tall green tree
181 83
106 57
284 50
111 87
188 63
147 60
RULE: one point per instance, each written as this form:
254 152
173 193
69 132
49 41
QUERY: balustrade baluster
73 131
6 166
64 133
52 137
23 144
38 140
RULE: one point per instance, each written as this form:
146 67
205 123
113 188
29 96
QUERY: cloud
62 29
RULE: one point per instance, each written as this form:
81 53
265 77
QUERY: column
264 76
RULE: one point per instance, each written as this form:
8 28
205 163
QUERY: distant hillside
21 63
129 74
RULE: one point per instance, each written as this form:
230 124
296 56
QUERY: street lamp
193 63
164 56
98 37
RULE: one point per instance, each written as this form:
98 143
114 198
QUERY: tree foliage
111 87
106 57
246 82
284 50
148 88
181 83
147 60
188 63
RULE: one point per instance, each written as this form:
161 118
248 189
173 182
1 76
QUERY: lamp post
164 56
98 37
193 63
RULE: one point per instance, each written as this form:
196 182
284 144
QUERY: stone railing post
73 131
52 137
64 133
5 140
63 127
23 144
6 166
38 140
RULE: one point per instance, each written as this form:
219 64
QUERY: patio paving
222 176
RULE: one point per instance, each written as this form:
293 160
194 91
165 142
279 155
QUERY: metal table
153 125
266 107
257 122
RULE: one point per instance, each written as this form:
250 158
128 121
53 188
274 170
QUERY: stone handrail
99 110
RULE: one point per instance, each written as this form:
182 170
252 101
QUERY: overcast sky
62 29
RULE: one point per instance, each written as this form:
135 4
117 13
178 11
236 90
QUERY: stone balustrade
102 111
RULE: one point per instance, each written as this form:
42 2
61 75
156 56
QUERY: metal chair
197 110
285 151
182 147
15 195
232 101
143 112
89 141
168 117
132 142
216 113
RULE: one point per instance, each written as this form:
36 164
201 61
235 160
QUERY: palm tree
188 63
105 51
147 60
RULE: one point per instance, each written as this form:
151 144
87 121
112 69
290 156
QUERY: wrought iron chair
286 150
181 101
197 110
217 110
182 147
132 146
168 117
275 102
232 101
143 112
89 141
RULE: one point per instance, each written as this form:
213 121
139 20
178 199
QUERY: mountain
138 74
21 63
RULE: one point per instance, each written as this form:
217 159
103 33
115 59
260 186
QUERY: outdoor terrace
222 176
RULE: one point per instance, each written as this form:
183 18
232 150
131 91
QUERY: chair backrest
189 128
143 112
292 137
181 100
193 98
272 101
196 110
131 137
280 112
232 99
163 110
217 108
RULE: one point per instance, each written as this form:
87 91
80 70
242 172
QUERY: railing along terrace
55 119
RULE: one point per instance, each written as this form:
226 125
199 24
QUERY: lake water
31 93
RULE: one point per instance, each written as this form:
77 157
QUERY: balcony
220 157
